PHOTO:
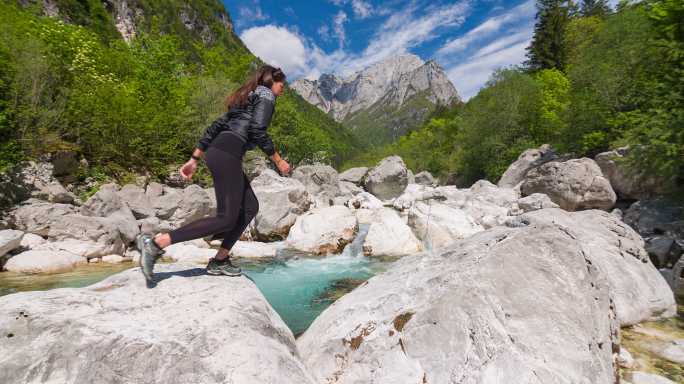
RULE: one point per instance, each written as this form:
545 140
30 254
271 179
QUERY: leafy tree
611 69
433 147
496 124
553 108
656 130
579 34
546 49
599 8
10 152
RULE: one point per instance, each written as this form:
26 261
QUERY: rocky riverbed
656 348
556 246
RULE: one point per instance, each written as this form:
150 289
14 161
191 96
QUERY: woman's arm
197 154
190 166
282 165
275 158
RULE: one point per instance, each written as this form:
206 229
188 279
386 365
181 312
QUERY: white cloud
404 30
514 37
320 62
468 61
491 26
499 41
288 49
338 26
300 57
277 46
250 13
470 76
324 32
361 9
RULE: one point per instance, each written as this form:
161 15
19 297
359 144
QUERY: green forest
595 79
129 108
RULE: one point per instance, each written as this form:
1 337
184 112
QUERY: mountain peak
390 97
400 76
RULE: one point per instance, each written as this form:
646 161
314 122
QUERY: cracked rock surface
527 304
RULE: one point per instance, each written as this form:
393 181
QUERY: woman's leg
228 178
163 240
250 207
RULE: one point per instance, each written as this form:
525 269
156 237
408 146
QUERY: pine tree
598 8
546 49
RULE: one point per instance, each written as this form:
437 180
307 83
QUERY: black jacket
249 121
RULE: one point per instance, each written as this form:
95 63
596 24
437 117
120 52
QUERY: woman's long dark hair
266 76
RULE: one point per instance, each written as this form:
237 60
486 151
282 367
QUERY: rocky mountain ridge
379 92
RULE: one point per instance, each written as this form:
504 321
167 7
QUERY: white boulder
189 253
574 185
321 181
439 225
281 200
136 199
38 261
256 249
536 201
354 175
388 178
30 240
10 240
472 314
638 290
364 200
388 235
527 160
323 230
190 328
84 248
106 203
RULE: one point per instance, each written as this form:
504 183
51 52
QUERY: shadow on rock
193 272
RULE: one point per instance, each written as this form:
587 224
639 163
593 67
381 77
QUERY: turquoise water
80 277
299 289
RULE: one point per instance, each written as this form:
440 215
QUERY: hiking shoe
223 267
149 253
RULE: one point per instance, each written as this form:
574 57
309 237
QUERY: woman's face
277 88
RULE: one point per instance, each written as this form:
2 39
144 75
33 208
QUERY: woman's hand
283 167
188 169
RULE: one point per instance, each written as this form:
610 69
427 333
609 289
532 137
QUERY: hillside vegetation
137 106
615 79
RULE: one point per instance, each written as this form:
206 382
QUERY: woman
223 144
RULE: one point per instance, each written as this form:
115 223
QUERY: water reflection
82 276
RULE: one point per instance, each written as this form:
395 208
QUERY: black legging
236 204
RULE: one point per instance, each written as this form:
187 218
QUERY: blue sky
468 38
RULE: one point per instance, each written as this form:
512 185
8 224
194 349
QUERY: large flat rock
190 328
507 305
640 292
